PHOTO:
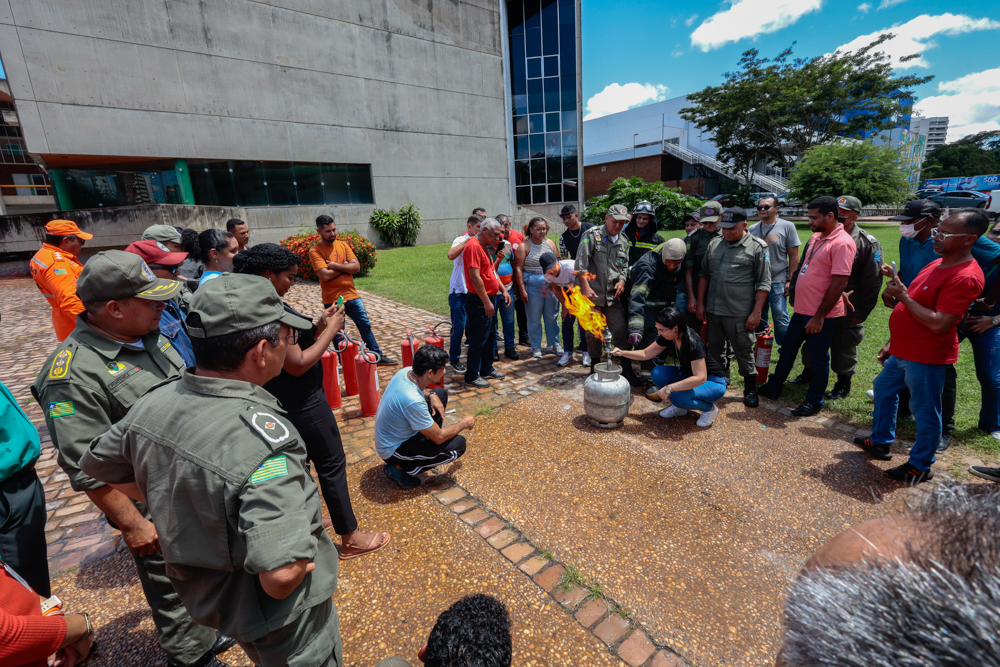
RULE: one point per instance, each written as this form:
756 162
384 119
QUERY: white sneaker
558 349
871 395
995 434
673 411
564 359
585 361
536 354
707 418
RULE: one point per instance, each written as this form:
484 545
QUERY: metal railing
765 182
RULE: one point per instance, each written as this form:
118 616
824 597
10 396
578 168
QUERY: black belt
23 472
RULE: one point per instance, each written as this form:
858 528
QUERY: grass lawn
419 277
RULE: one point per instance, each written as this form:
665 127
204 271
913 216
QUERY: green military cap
236 302
849 203
111 275
161 233
710 212
618 212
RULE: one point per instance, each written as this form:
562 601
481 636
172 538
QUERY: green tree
776 110
870 173
670 205
970 156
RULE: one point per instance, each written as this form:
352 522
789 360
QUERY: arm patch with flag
273 466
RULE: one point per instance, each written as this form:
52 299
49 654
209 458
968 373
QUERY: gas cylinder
408 347
366 367
435 339
348 352
606 396
331 379
762 355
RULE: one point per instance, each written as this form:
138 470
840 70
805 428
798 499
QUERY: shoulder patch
61 409
270 427
116 367
162 343
878 257
273 466
60 365
60 272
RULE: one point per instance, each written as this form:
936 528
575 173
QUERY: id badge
803 271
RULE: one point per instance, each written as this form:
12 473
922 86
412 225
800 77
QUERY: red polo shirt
475 255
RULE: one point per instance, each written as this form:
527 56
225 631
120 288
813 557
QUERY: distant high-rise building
934 128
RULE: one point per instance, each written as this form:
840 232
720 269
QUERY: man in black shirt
569 243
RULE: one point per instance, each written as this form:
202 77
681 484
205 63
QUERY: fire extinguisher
762 354
366 363
409 346
436 340
331 379
348 351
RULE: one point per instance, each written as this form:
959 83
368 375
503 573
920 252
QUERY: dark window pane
248 182
533 42
567 102
553 144
551 65
520 104
520 124
307 184
569 144
536 101
569 120
524 196
571 192
567 12
551 94
550 40
534 68
334 181
517 65
537 145
570 172
214 184
279 180
552 122
555 193
553 170
521 150
532 14
359 180
567 61
522 172
538 171
538 194
81 188
535 123
550 12
515 17
223 178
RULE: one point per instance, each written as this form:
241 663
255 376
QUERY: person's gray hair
892 614
490 224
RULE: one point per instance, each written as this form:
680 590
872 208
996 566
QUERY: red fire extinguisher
436 340
348 351
331 379
762 354
408 347
366 363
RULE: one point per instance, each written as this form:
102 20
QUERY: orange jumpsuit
55 272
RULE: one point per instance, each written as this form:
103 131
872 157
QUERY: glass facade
543 84
101 188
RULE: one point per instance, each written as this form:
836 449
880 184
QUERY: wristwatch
90 628
995 322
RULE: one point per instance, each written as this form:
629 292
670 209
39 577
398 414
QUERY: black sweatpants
22 529
420 453
315 422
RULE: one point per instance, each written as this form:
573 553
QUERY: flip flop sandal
388 538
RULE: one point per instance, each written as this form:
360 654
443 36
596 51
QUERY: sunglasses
164 267
768 207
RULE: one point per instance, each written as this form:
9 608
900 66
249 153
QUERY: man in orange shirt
335 264
55 268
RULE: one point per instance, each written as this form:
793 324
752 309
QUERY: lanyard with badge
51 606
812 251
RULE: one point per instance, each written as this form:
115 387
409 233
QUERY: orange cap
66 228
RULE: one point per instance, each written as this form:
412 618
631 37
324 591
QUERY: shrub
409 224
303 242
670 205
397 228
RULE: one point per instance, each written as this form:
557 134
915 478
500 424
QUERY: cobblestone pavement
658 544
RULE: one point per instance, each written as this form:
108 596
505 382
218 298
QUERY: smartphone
894 269
340 299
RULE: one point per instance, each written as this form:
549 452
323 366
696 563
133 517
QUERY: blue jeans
986 352
482 333
778 304
819 355
702 397
355 309
681 303
925 382
541 308
507 319
456 303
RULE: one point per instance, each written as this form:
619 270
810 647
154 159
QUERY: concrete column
63 200
184 180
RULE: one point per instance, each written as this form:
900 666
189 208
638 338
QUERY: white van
993 204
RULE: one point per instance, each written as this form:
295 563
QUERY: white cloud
689 21
915 36
616 97
972 103
886 4
864 7
747 19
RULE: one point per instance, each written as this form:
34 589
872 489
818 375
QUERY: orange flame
583 308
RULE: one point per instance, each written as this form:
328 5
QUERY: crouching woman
697 383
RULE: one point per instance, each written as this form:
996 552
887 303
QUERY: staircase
774 184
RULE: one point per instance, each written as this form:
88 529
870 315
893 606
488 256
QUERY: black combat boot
841 389
750 391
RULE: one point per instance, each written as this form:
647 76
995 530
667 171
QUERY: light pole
633 152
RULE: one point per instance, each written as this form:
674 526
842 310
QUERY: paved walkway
656 544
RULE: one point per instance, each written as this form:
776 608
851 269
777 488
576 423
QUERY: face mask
908 231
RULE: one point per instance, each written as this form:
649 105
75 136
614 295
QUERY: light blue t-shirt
208 275
402 413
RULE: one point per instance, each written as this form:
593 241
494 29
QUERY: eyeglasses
292 339
936 233
565 215
164 267
768 207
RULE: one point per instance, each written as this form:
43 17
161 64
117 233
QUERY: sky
645 51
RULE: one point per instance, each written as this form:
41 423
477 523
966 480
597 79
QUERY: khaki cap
849 203
618 212
161 233
674 250
236 302
710 211
112 275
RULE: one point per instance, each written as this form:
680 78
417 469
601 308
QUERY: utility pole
633 152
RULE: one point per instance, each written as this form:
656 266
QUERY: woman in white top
539 302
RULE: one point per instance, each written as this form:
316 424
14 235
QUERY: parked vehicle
725 200
960 199
924 193
993 203
757 196
788 200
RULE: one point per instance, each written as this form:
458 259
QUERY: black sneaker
992 474
807 409
909 473
494 375
750 398
803 378
478 382
944 443
386 360
222 644
768 391
402 479
511 354
881 452
458 366
841 389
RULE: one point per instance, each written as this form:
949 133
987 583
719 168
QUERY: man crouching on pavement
224 475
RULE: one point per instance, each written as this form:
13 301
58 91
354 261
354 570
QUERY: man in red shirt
817 297
482 299
923 342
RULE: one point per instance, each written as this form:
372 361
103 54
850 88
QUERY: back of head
212 239
429 358
473 632
265 257
974 220
189 240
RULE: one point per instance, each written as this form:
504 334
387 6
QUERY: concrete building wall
413 87
648 124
